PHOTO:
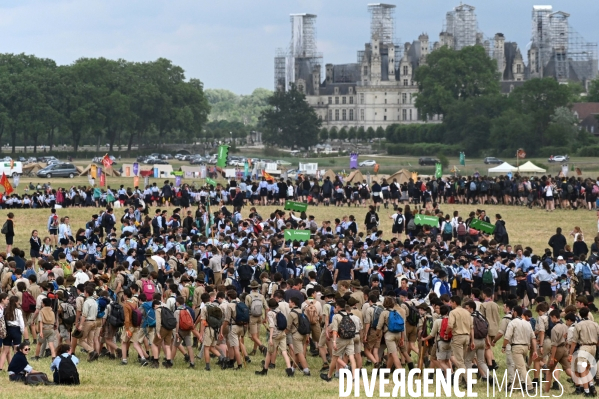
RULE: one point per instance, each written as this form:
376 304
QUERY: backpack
586 272
444 289
412 225
167 318
281 321
427 328
2 327
148 288
488 276
373 219
71 295
395 322
117 315
376 316
237 286
447 229
185 320
28 302
533 323
4 228
242 314
472 186
67 372
444 325
413 315
461 229
136 317
311 313
190 297
68 314
256 307
150 318
128 280
481 326
303 324
347 327
550 326
102 303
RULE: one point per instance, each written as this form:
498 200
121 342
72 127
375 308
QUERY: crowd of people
215 286
546 191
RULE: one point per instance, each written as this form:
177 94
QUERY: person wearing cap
256 303
560 266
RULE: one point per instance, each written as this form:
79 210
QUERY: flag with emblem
106 161
6 184
267 176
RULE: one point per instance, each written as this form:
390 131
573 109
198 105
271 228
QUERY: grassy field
527 227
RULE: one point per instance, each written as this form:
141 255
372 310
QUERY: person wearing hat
357 293
256 303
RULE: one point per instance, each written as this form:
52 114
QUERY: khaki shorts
29 319
278 342
298 341
166 337
235 332
149 332
344 347
134 335
210 337
443 350
184 338
591 349
373 339
357 345
109 332
392 341
561 357
49 335
255 325
547 347
322 342
411 332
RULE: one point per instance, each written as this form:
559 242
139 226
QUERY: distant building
587 114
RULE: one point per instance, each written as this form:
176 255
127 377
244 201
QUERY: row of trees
97 99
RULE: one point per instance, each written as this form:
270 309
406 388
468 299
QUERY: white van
17 168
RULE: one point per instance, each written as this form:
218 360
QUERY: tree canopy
97 99
290 121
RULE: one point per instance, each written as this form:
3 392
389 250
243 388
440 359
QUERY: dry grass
527 227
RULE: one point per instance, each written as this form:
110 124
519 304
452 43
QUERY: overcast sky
230 44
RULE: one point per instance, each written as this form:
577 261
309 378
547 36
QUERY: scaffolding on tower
382 22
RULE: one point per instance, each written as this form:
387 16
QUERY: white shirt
80 278
159 261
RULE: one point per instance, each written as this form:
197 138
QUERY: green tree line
96 100
463 86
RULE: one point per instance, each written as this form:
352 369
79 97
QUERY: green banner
426 220
295 206
438 170
177 173
223 152
482 226
211 181
299 235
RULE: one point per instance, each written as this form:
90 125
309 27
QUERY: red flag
267 176
6 184
102 180
106 161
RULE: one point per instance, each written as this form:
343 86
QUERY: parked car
492 160
558 158
428 161
197 160
58 170
49 159
160 162
368 162
283 163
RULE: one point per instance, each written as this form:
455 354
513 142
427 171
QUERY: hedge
420 149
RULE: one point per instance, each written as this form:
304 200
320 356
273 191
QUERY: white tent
503 168
530 167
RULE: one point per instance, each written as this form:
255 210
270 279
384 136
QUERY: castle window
344 115
403 115
351 99
361 114
405 82
410 114
336 100
351 114
404 98
405 70
330 114
518 68
336 114
330 100
361 98
343 100
385 117
365 71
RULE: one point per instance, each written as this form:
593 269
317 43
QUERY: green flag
299 235
483 226
177 173
426 220
438 170
223 152
211 181
295 206
462 159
